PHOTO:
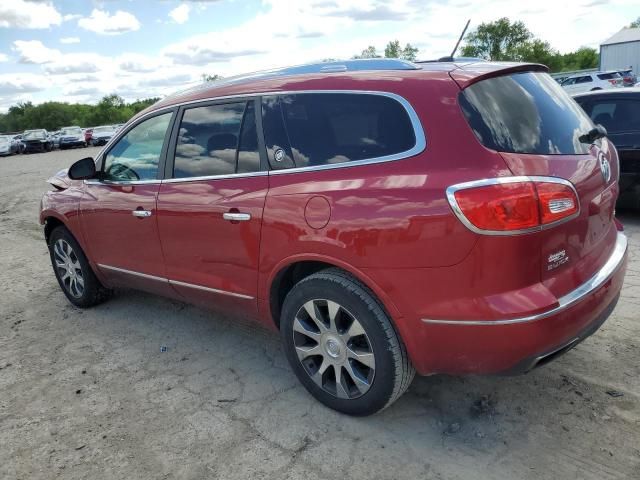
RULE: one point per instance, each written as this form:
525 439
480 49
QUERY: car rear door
118 211
210 205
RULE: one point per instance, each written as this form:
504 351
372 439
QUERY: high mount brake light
512 205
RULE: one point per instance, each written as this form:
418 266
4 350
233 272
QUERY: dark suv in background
619 112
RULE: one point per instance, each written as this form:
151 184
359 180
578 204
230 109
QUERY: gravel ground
89 394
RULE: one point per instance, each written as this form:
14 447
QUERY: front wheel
73 272
342 345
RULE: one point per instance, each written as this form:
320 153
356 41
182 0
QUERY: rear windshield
71 131
608 76
525 113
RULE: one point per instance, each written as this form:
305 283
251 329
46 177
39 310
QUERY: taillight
512 205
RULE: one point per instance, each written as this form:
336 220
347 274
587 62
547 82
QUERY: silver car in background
8 146
102 134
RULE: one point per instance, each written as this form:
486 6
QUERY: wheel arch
293 269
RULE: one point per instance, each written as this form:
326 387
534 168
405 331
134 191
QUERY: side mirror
82 169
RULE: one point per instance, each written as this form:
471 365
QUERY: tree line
51 116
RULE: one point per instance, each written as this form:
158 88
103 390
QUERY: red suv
386 217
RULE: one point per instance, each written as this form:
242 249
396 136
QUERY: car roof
610 91
359 74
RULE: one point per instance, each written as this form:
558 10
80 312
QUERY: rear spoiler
468 74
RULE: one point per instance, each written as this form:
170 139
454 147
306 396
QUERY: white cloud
34 51
4 57
71 16
104 23
12 84
180 14
69 40
23 14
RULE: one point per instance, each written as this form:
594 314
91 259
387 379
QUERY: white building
621 51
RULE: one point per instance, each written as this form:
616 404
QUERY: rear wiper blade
594 134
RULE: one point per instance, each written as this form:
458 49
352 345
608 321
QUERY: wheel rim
334 349
68 268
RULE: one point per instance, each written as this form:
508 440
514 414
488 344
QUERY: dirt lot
89 394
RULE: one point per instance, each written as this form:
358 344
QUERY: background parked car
37 141
629 79
585 82
8 146
619 112
18 140
72 137
101 135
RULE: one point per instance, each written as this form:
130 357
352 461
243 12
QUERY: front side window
217 140
136 155
317 129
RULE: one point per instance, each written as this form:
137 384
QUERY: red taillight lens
513 205
503 207
557 201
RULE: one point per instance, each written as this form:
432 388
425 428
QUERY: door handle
141 213
236 216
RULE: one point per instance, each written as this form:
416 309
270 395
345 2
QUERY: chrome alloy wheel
68 268
334 349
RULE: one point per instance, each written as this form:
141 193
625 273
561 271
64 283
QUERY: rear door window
217 140
318 129
525 113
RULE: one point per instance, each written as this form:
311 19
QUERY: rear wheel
73 272
342 346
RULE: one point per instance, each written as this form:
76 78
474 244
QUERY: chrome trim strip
123 183
450 192
135 274
216 177
207 289
564 302
174 282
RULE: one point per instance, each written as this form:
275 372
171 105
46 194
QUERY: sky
79 51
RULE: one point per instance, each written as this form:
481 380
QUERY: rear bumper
519 344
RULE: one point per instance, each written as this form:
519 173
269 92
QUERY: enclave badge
605 167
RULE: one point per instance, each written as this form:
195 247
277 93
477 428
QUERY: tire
360 328
88 290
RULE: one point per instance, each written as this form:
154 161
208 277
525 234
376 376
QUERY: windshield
102 129
34 134
525 113
71 131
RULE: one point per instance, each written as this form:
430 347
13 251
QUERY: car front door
118 210
210 206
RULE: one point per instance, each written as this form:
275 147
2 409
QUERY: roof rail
335 66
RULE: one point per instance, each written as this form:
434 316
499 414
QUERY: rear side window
584 79
317 129
217 140
616 115
525 113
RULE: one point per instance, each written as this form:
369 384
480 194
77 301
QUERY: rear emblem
556 259
605 167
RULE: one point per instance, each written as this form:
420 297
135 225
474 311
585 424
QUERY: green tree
635 23
498 41
582 58
369 52
210 78
54 115
394 50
